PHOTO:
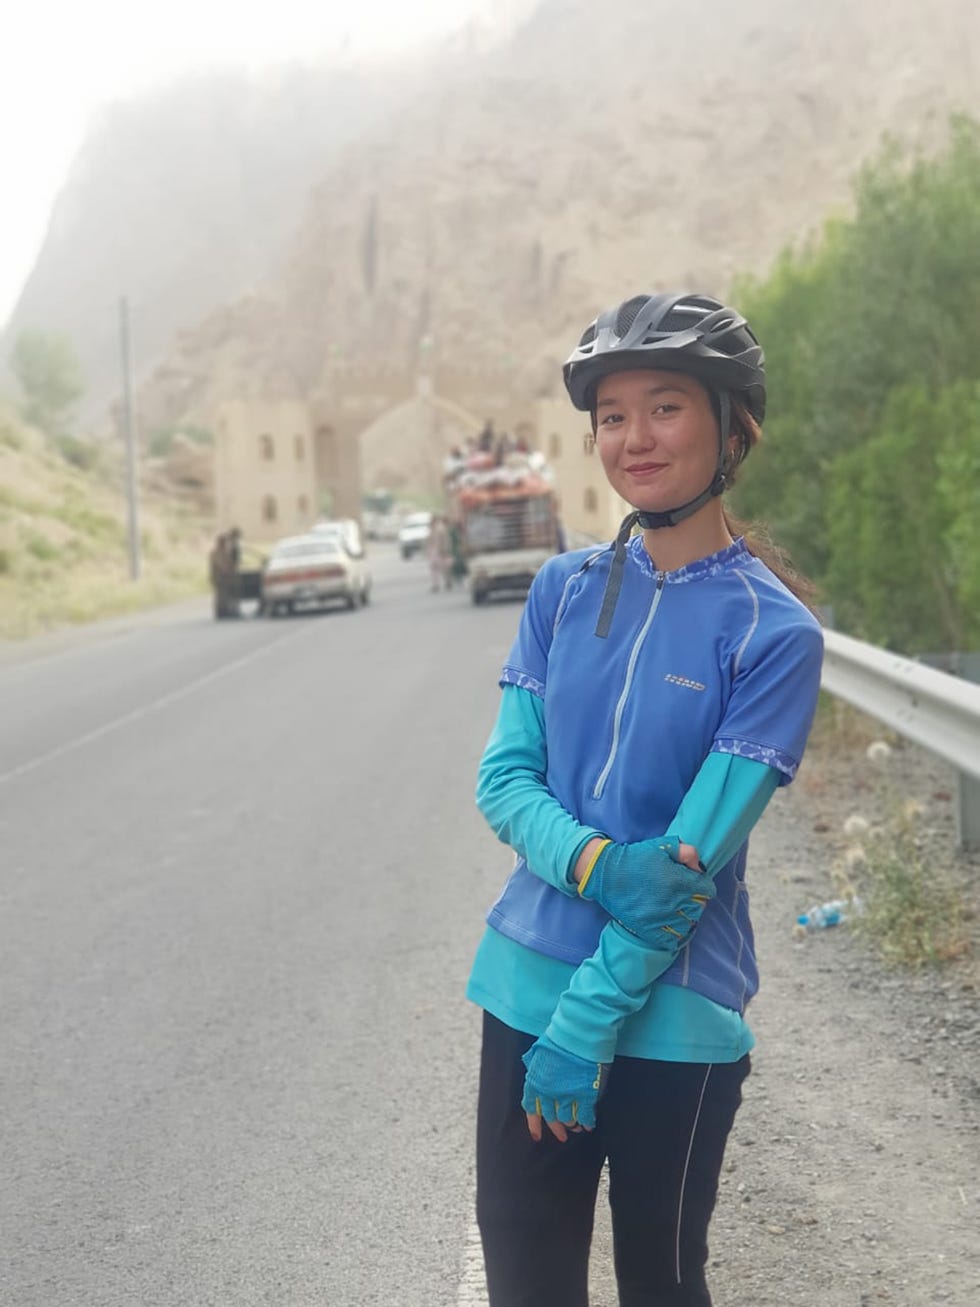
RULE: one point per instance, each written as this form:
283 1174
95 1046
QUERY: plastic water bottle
823 915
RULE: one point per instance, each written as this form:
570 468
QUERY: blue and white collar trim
700 570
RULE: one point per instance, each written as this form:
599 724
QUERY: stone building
266 478
590 508
281 462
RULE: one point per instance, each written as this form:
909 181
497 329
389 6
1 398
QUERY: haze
60 62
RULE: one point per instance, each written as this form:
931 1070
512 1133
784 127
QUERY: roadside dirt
852 1178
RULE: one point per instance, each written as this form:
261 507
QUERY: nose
641 432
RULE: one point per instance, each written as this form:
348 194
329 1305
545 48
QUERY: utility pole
129 435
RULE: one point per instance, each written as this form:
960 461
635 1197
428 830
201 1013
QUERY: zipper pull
661 578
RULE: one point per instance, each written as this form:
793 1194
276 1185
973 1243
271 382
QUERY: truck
507 518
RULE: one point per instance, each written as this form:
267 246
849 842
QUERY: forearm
725 801
718 812
605 989
513 795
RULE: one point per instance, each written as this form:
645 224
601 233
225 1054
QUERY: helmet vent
628 313
679 318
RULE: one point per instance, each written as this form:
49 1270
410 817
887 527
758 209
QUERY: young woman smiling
659 690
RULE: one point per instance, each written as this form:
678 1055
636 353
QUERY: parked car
413 534
313 569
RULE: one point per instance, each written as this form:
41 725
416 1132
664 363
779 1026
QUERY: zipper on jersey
600 784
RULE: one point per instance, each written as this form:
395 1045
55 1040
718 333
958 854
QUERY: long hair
757 538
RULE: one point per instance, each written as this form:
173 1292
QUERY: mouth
645 469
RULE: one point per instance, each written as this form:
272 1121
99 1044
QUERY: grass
44 598
913 910
63 540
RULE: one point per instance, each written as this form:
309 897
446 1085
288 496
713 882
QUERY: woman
659 691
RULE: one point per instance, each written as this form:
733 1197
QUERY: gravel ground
852 1175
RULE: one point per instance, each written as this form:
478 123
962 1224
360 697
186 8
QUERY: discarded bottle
823 915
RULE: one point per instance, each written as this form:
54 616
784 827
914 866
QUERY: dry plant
911 909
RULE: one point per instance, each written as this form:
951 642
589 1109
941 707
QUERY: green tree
888 570
50 378
868 331
958 490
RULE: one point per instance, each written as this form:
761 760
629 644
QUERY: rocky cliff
480 214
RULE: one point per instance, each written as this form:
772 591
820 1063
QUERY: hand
560 1088
650 888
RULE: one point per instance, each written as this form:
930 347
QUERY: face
657 437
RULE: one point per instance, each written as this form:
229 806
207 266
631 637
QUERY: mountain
577 163
475 214
183 199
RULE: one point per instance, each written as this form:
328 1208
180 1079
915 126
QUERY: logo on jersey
687 683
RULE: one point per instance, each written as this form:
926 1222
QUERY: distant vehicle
313 569
508 519
344 529
413 534
381 526
380 515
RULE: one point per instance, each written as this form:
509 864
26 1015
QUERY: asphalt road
241 879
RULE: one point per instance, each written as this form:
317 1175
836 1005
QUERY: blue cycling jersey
715 657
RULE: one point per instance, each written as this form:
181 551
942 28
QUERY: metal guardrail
936 710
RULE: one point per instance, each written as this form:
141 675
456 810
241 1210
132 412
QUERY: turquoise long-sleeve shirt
611 1002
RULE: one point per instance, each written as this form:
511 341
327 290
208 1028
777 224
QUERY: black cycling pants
663 1127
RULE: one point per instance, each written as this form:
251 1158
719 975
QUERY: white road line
472 1280
145 710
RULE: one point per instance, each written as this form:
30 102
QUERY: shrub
41 548
912 909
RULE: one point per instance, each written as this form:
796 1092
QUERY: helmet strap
614 582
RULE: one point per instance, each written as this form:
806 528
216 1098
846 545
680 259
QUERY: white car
413 535
345 528
313 569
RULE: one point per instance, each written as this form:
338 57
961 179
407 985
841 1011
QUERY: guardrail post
967 666
968 813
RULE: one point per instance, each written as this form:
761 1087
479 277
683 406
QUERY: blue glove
560 1086
649 893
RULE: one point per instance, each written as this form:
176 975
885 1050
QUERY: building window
591 500
303 504
267 448
270 510
554 445
327 461
299 444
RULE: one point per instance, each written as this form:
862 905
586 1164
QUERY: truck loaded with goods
506 513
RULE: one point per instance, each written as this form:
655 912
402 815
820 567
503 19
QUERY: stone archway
404 450
356 401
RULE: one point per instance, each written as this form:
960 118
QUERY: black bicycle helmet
679 332
676 331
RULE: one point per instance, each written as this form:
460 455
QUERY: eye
611 420
666 408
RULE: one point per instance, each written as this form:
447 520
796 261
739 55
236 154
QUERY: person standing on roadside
233 554
217 567
660 689
439 556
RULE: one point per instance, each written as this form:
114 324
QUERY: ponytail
757 538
